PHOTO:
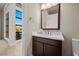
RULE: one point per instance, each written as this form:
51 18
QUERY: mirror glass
7 25
50 18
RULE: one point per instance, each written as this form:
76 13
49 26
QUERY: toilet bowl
75 46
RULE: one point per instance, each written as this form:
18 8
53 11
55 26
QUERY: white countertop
54 36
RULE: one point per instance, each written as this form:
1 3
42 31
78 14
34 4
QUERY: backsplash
49 32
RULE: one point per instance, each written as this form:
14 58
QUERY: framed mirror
50 17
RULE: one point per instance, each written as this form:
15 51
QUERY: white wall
0 23
25 29
69 25
29 26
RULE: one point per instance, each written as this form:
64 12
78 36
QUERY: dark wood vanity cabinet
51 50
46 47
38 49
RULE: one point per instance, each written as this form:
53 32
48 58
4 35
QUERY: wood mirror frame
58 28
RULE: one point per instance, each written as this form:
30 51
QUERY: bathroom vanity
46 45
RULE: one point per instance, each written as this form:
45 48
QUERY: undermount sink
53 35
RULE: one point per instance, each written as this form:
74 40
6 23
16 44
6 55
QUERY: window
19 21
18 17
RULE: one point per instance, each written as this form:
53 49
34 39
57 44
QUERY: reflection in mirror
50 18
7 24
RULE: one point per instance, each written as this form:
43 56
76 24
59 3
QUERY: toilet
75 46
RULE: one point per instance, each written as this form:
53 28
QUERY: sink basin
53 35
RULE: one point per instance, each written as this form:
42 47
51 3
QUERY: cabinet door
37 48
52 50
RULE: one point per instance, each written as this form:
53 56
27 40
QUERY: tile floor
6 50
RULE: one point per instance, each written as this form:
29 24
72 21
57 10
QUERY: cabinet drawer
48 41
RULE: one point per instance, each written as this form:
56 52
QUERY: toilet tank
75 46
